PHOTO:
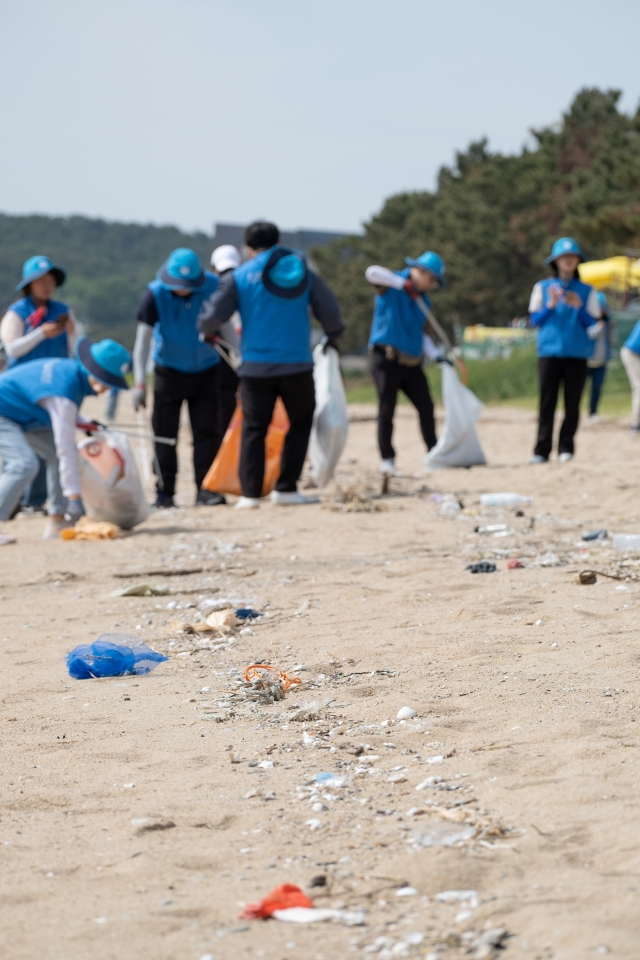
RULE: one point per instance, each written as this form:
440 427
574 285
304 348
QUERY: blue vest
397 320
275 329
22 387
177 341
56 346
633 340
563 333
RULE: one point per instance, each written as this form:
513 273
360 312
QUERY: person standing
597 363
397 347
630 356
33 327
567 314
186 368
273 292
223 259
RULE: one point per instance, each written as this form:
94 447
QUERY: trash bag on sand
109 480
223 474
459 445
330 420
109 657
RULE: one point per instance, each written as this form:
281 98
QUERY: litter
494 528
514 564
220 619
407 892
284 897
223 474
548 559
459 896
141 590
87 529
406 713
246 613
458 445
314 824
350 918
488 943
589 576
330 780
626 541
441 835
503 500
484 566
109 480
595 535
108 656
265 673
450 508
330 419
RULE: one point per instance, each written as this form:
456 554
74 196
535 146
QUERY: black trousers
390 376
552 371
259 395
228 383
200 390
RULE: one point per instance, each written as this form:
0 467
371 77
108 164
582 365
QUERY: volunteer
185 369
630 356
39 403
397 345
273 292
36 326
223 259
567 314
597 363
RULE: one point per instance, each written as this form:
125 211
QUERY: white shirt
17 343
64 414
536 302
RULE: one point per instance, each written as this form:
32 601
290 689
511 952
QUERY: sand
127 832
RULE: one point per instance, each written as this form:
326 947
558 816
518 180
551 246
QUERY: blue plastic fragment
107 657
246 613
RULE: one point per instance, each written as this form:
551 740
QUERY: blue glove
75 510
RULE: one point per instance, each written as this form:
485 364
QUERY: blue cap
285 274
431 262
36 267
288 272
565 245
107 361
182 271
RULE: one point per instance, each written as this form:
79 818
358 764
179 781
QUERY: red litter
282 898
513 564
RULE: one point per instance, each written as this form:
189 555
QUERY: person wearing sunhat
36 326
567 315
186 368
398 342
39 405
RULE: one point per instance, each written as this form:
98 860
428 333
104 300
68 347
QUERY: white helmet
226 257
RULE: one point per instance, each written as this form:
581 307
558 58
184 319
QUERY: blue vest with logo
397 320
56 346
177 341
563 333
22 387
274 329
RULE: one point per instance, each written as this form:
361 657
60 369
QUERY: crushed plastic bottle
626 541
503 500
108 656
497 529
595 535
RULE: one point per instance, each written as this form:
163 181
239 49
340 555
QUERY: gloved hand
410 289
441 359
139 396
331 343
91 426
75 510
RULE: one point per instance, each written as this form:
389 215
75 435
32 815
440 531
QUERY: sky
306 112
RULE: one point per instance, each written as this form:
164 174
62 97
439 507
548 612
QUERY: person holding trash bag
36 326
39 404
185 369
398 343
273 292
567 314
630 356
223 259
597 363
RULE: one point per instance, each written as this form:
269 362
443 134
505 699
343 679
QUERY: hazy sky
308 112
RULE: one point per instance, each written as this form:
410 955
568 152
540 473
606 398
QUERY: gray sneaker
537 458
565 457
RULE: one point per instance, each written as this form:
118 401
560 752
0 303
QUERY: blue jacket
22 387
177 341
54 347
562 331
633 340
397 320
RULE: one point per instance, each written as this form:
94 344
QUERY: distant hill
108 264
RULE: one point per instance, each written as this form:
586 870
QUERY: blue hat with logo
182 271
431 262
107 361
36 267
565 245
285 274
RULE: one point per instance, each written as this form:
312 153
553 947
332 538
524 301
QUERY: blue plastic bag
246 613
109 658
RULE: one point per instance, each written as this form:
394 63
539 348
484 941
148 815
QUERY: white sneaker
247 503
53 527
565 457
291 499
594 418
389 467
537 458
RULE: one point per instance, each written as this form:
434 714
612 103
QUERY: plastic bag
459 445
223 474
109 480
330 420
108 656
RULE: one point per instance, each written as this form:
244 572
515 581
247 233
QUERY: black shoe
164 501
207 498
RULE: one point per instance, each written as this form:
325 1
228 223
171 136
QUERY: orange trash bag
223 474
284 897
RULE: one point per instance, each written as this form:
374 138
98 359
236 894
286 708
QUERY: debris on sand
352 500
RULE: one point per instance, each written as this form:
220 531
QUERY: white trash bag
330 420
109 480
459 445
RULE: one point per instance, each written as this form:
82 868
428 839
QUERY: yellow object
86 529
478 333
616 273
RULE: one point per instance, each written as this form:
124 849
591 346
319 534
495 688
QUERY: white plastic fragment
406 713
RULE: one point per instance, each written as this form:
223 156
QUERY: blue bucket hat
565 245
431 262
285 274
182 271
107 361
36 267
